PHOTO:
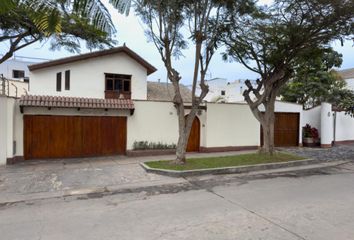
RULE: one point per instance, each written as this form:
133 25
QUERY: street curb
92 193
228 170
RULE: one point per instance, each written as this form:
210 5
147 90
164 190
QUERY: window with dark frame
223 93
18 73
118 82
67 80
58 81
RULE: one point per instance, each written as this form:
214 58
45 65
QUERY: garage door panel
286 130
73 136
108 131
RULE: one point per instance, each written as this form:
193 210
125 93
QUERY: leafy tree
64 22
346 102
272 42
202 20
313 80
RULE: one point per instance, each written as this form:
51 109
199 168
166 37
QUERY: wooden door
194 136
286 130
73 136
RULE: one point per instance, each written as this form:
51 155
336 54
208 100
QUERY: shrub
144 145
310 132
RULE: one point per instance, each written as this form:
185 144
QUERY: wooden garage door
73 136
286 130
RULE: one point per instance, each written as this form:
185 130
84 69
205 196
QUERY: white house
348 76
14 76
16 69
220 90
102 74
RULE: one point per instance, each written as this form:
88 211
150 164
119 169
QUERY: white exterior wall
231 125
312 117
157 121
344 127
152 122
3 130
326 124
350 83
9 116
18 129
222 125
87 77
10 126
16 88
8 66
233 90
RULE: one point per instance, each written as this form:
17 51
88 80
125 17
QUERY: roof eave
150 69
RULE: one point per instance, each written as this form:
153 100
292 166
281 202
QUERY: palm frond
123 6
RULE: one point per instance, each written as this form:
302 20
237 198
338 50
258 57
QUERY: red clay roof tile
75 102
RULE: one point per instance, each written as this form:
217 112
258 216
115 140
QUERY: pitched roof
346 73
150 69
165 92
75 102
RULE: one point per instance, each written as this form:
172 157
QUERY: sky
130 31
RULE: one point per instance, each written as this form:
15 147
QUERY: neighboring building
14 76
16 69
220 90
348 76
157 91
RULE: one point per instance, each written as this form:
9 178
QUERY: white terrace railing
4 86
12 88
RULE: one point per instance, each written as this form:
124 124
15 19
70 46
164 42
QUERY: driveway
63 177
43 179
338 152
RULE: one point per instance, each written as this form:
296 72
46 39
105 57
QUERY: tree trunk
184 129
268 128
182 143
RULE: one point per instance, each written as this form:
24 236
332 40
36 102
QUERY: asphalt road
307 205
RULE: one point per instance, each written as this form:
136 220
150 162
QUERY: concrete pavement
312 205
52 179
56 178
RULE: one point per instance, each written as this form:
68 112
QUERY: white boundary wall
326 124
230 125
312 117
9 116
152 122
3 130
344 127
332 126
222 125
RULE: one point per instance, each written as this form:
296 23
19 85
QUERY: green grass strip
227 161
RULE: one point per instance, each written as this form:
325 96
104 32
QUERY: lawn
227 161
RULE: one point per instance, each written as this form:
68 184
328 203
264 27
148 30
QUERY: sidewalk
43 179
52 179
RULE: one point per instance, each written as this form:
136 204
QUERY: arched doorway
194 136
